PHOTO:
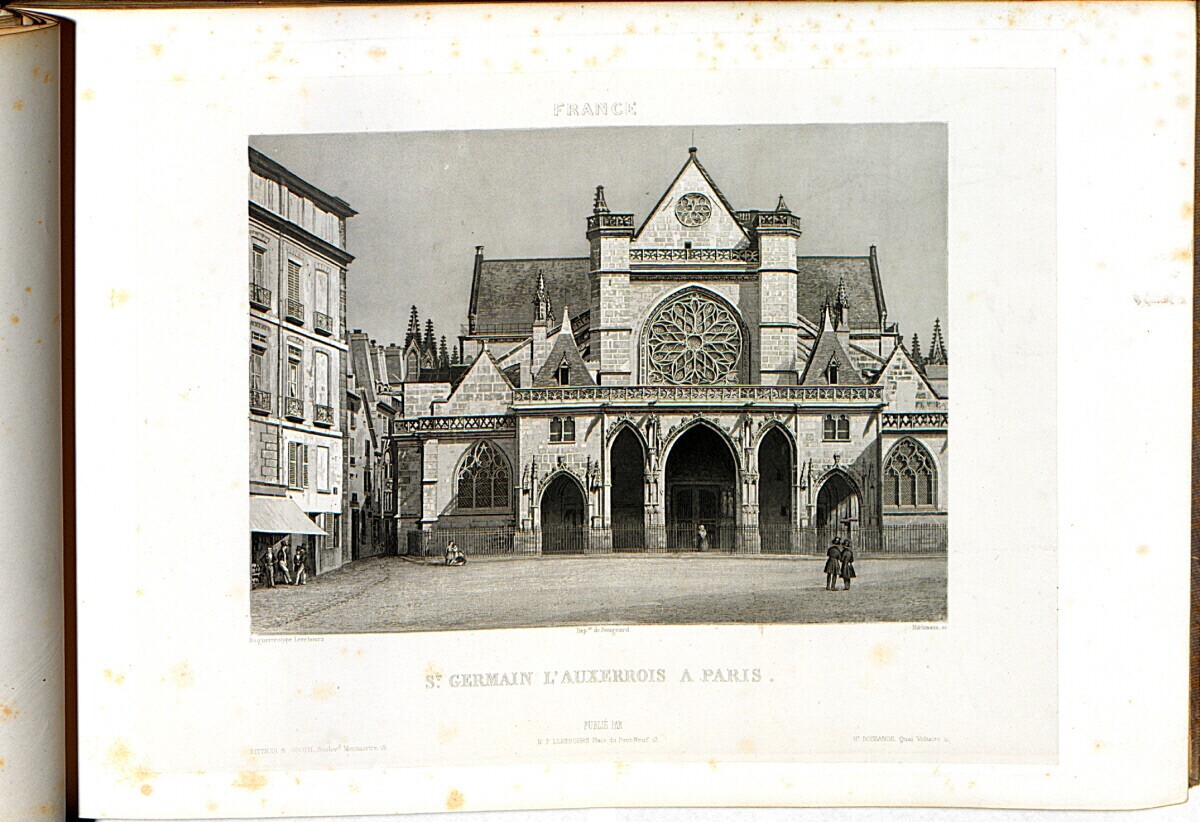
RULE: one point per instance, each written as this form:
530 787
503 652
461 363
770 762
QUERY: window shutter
304 470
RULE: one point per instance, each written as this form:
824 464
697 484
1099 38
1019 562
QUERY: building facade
695 382
298 415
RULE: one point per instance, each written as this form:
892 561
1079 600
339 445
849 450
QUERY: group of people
454 554
839 564
275 566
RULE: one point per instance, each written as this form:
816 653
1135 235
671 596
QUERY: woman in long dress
702 538
847 564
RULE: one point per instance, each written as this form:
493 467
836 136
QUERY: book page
32 745
525 629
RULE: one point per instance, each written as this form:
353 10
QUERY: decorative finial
937 349
691 150
598 205
843 299
782 206
541 300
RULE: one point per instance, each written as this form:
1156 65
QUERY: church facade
693 382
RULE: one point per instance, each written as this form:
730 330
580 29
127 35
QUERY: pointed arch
772 424
483 478
910 475
674 437
563 505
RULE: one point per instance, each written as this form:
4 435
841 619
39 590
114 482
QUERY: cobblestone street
386 594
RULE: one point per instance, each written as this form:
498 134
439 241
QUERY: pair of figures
839 564
454 554
277 562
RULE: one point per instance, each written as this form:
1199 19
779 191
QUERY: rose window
693 209
693 339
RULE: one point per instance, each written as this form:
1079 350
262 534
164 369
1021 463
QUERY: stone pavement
384 594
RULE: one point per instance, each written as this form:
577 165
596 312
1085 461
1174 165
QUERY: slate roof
503 295
819 278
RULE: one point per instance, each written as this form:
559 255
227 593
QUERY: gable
664 229
483 390
829 349
564 351
905 387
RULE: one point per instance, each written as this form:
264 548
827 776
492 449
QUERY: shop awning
279 515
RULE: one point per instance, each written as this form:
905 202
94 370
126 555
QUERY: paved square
386 594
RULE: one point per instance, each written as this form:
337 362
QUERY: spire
455 356
566 323
915 353
781 205
414 326
598 205
937 348
826 320
841 306
541 301
430 340
443 354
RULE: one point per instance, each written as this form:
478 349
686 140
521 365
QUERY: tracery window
484 479
909 477
693 339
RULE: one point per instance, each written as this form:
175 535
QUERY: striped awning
279 515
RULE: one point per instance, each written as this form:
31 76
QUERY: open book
544 406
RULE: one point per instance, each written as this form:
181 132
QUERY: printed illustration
678 391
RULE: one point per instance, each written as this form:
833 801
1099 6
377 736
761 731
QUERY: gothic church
694 382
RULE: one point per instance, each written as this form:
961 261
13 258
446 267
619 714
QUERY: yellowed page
32 753
1059 677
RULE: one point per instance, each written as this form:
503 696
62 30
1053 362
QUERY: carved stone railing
490 423
915 420
293 408
777 219
260 297
701 394
322 415
699 255
260 401
599 221
322 323
295 311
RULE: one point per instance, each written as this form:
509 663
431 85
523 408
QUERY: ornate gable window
831 372
909 477
484 479
693 339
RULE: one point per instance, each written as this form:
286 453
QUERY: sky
426 199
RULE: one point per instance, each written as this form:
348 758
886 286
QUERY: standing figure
833 565
282 561
847 564
454 554
701 538
268 566
300 570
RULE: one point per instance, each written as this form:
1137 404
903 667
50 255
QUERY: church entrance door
701 492
838 506
563 530
628 492
775 476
